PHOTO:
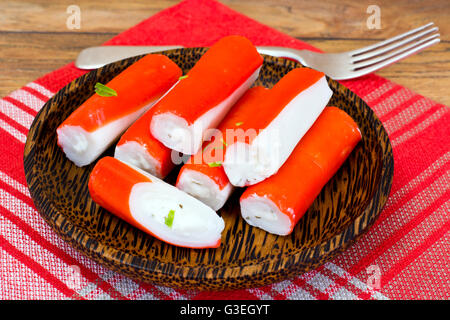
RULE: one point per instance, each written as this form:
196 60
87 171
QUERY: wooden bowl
248 257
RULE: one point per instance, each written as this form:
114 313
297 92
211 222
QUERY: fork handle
96 57
282 52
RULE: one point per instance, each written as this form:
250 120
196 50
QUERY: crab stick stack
275 125
203 176
153 205
277 203
202 99
138 147
100 120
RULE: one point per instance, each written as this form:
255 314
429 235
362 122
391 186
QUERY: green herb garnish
224 143
104 91
239 124
169 219
214 164
183 77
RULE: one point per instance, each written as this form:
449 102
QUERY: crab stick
202 176
101 119
138 147
153 205
273 127
277 203
202 99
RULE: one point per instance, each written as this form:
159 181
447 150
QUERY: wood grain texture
344 210
34 39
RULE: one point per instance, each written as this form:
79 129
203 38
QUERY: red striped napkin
405 255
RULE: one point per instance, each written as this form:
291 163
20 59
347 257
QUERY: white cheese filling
135 154
203 188
175 133
83 147
261 212
193 224
247 164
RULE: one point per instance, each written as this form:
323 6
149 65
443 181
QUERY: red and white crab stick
154 206
203 176
277 203
138 147
100 120
202 99
275 125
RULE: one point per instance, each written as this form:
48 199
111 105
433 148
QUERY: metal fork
338 66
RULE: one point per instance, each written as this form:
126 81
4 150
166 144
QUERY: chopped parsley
215 164
104 91
224 143
169 219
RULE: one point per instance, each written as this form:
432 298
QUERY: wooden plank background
34 38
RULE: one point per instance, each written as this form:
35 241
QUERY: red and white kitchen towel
405 255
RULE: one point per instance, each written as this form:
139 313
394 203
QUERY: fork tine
394 53
384 63
390 40
394 45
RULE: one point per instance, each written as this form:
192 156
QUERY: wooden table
34 38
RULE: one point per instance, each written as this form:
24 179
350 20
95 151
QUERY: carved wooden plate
248 257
